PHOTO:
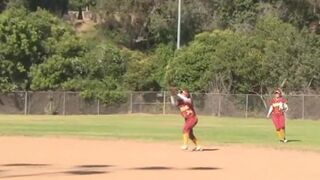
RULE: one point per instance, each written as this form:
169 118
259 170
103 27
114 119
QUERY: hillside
228 46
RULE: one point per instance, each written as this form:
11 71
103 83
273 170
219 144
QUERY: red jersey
186 109
277 105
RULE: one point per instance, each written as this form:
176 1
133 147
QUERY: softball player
184 102
277 111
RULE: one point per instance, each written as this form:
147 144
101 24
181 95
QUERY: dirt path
72 159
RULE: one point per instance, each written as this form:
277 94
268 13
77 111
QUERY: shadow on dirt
84 172
93 169
293 140
210 149
75 172
94 166
203 168
25 165
29 175
153 168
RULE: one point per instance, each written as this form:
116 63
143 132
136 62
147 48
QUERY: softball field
147 147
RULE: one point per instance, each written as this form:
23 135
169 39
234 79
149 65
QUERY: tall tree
274 54
28 39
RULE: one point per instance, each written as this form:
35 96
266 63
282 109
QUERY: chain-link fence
221 105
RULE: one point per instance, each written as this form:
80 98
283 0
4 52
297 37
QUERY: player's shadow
29 175
153 168
81 170
72 172
25 165
84 172
293 140
148 168
203 168
210 149
94 166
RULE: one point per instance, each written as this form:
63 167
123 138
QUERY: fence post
247 103
303 108
212 104
25 102
219 106
131 103
164 103
64 103
98 108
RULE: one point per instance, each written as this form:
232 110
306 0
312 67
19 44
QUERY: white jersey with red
185 106
278 105
186 109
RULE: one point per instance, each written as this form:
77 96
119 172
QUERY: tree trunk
80 15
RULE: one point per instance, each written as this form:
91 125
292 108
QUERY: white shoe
285 140
198 148
184 147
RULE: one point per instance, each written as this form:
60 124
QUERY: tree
233 13
28 39
160 59
299 13
275 54
101 74
58 7
3 4
143 24
287 54
80 4
138 76
195 17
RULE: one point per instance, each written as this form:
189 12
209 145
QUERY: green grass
211 130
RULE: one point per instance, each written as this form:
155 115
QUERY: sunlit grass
211 130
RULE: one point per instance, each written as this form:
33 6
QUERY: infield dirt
42 158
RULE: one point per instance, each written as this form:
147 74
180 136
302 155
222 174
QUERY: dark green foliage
275 54
28 39
229 46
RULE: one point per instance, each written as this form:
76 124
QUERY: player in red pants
184 102
277 111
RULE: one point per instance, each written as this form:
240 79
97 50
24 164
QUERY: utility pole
179 24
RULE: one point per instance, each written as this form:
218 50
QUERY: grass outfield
211 130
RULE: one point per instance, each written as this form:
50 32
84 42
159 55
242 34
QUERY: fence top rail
224 94
162 92
263 95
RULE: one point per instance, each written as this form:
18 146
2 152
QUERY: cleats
198 148
184 147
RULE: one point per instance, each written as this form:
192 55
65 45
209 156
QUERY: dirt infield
71 159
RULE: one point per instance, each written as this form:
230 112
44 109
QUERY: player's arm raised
270 111
174 92
184 98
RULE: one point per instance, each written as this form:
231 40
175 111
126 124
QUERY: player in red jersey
277 111
184 102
